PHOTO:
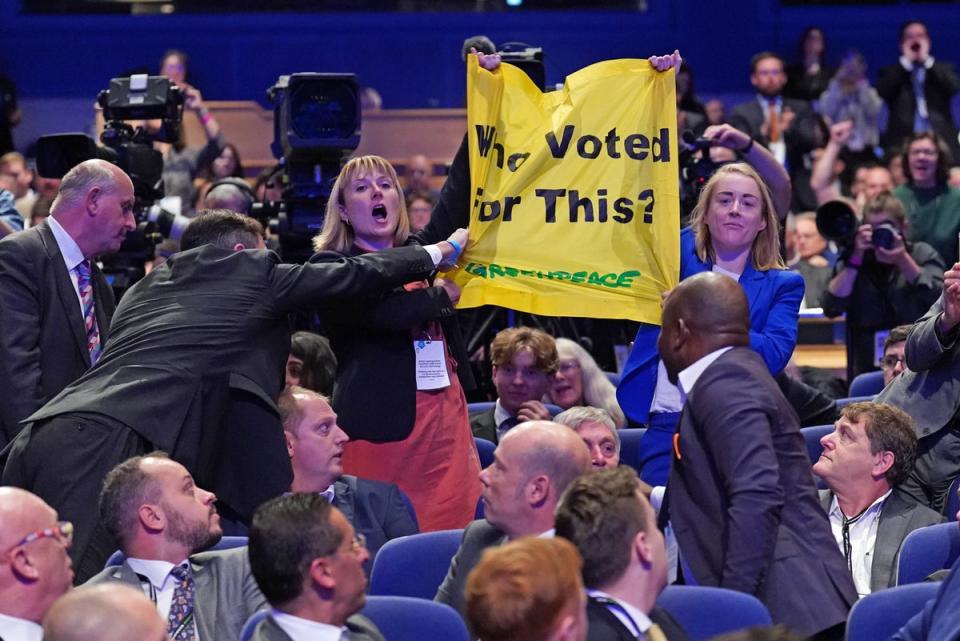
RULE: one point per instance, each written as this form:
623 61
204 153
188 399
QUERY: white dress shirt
72 256
13 629
300 629
863 536
159 585
632 618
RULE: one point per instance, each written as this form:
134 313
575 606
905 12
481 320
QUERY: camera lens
883 237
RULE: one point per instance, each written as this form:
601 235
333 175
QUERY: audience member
933 207
163 522
10 219
229 193
308 561
403 419
105 613
419 206
741 498
784 125
895 165
599 434
527 590
808 78
869 453
417 174
311 363
691 115
268 186
928 389
226 165
532 467
894 360
918 90
35 569
194 362
315 444
614 528
813 259
580 381
716 112
524 361
57 304
14 165
10 114
850 98
734 231
884 282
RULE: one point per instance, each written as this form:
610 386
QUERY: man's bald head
19 512
106 612
560 453
702 314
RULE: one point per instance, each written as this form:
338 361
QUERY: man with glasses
308 562
35 568
163 522
894 359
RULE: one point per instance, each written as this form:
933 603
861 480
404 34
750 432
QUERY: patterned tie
180 623
85 286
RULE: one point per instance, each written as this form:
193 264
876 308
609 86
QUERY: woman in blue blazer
734 230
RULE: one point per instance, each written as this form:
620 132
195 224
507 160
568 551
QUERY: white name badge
431 365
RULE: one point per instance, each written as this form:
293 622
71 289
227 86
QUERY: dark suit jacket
43 341
484 425
375 509
895 86
477 537
899 517
743 503
226 592
361 629
206 333
800 139
603 625
376 390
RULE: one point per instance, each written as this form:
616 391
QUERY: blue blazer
774 297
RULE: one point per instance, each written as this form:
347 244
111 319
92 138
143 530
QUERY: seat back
705 612
225 543
409 619
630 446
811 437
866 384
843 402
414 566
880 614
924 551
485 450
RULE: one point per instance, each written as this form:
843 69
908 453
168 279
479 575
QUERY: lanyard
615 606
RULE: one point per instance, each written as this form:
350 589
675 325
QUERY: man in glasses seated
894 358
35 568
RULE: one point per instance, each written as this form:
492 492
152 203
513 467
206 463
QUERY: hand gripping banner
576 195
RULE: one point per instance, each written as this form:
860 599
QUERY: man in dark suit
315 444
532 467
869 453
308 561
524 361
615 530
741 496
918 91
55 304
109 612
785 126
194 365
162 522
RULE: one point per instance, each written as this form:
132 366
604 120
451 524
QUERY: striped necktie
85 285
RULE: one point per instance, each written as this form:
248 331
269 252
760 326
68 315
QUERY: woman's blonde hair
336 233
765 253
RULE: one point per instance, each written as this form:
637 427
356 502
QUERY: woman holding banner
735 231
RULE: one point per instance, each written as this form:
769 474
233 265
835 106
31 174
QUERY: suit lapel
344 498
65 290
103 298
205 602
891 529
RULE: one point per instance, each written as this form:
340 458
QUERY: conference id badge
431 365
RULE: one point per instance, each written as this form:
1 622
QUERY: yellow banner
576 209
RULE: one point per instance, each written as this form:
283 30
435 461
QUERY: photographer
883 282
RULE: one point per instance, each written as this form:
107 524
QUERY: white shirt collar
14 629
154 570
306 630
907 64
688 377
641 620
873 507
69 249
500 414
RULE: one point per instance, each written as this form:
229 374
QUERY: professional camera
837 221
137 98
316 123
695 171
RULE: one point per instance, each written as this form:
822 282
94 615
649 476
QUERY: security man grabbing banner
576 199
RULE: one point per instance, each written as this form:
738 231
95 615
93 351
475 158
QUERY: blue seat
613 377
843 402
705 612
225 543
485 450
866 384
252 624
880 614
812 436
409 619
414 565
630 446
479 408
927 550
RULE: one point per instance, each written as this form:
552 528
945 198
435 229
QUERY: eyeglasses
63 532
889 362
569 366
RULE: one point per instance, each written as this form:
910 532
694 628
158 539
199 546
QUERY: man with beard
162 521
